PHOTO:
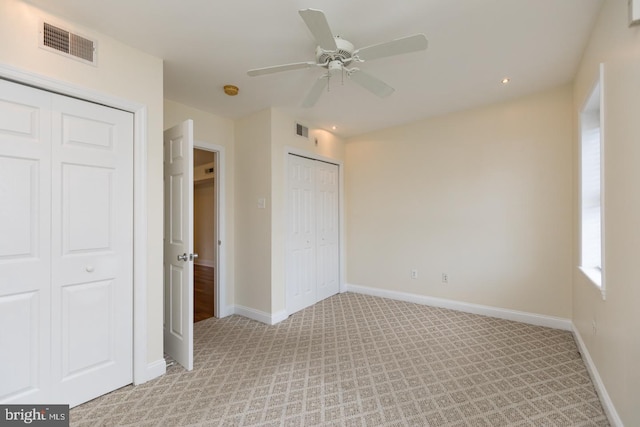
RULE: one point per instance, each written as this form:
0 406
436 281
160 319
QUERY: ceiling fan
336 54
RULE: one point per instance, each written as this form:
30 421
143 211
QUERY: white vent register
62 41
302 131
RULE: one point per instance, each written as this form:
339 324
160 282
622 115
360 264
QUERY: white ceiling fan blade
395 47
372 84
319 27
278 68
315 92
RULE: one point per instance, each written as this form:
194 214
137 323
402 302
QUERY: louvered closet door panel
92 250
25 260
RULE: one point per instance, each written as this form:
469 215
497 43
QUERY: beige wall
123 73
615 346
216 130
482 195
253 225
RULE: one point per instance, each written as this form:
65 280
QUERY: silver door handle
183 257
192 257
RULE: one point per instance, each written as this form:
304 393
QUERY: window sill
595 278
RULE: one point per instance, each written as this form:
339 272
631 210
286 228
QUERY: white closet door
66 252
92 256
312 262
25 246
301 252
327 226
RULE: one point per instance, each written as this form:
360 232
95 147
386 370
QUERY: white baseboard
227 310
501 313
155 369
607 404
260 316
279 316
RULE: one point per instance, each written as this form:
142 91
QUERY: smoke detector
231 90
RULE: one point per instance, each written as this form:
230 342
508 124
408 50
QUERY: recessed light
334 128
506 80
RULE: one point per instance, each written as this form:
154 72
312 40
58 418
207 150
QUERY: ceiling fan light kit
335 54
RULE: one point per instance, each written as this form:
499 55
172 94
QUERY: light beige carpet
356 360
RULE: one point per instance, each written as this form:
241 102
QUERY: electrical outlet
445 278
414 274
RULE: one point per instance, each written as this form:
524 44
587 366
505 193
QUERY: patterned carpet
356 360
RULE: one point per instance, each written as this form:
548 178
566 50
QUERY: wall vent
67 43
302 130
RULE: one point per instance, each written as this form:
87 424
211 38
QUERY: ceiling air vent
302 130
67 43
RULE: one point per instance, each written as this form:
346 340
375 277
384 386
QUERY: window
591 200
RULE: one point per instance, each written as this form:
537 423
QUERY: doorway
205 239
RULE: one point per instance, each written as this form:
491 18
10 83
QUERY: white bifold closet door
66 251
313 249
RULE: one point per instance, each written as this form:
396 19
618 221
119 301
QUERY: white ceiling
473 44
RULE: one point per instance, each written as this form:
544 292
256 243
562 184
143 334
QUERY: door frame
220 309
341 209
142 370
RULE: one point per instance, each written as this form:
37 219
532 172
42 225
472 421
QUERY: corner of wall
605 399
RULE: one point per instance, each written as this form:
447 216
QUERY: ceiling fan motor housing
344 53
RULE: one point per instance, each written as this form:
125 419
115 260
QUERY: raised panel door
25 245
66 253
301 242
178 243
92 249
327 227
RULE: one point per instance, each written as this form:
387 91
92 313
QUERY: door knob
193 256
183 257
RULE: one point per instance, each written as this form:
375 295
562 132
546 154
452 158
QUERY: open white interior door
178 243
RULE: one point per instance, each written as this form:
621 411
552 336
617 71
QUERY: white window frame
592 200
